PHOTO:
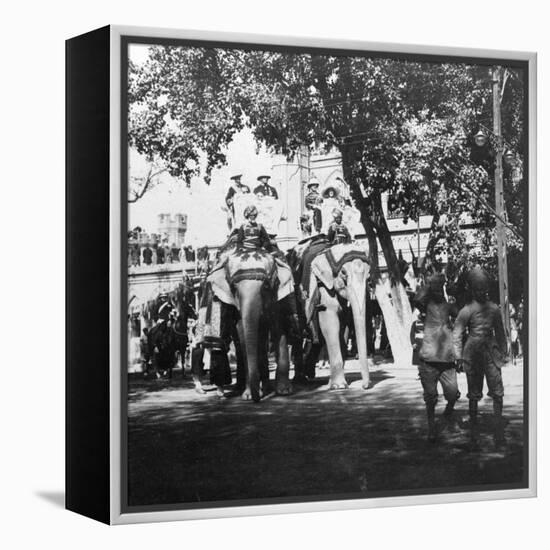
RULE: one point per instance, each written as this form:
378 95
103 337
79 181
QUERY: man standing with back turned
436 353
484 353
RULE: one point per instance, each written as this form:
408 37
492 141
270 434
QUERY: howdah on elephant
255 282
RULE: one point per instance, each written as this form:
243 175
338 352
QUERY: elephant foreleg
246 393
263 357
329 323
282 381
241 363
248 332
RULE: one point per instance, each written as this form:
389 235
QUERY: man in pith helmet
312 194
312 203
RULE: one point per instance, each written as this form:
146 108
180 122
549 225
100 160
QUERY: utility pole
499 204
418 242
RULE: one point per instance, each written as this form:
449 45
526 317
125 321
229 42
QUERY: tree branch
148 181
432 241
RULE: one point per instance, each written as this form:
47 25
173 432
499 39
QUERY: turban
250 210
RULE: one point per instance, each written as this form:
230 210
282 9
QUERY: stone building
172 227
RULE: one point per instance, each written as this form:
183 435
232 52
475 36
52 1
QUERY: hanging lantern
509 157
480 139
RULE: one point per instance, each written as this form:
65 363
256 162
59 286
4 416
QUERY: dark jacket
252 236
233 190
266 190
338 233
311 200
147 256
483 321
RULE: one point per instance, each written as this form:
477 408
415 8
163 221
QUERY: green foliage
184 103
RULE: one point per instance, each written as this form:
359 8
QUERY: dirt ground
188 448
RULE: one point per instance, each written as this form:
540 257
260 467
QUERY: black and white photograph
275 275
326 274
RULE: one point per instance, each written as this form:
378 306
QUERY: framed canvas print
300 274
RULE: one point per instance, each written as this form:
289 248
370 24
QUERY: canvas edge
115 280
117 517
532 105
298 41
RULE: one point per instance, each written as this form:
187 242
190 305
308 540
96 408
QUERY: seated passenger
252 235
264 189
338 233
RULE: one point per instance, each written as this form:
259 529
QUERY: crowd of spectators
162 252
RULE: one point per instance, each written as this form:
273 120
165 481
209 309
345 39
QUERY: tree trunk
432 241
398 316
397 313
390 293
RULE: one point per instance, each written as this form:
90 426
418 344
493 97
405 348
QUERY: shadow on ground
57 498
185 447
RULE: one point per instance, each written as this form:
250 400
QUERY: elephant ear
286 280
221 286
321 268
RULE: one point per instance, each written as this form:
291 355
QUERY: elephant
337 273
256 283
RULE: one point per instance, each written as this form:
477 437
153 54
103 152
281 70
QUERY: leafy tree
183 104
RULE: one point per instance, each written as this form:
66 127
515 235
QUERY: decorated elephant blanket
209 330
326 268
241 265
306 254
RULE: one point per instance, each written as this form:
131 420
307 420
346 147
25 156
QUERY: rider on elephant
251 234
338 233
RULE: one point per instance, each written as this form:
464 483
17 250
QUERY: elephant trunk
250 302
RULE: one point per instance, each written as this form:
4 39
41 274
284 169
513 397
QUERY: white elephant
339 271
